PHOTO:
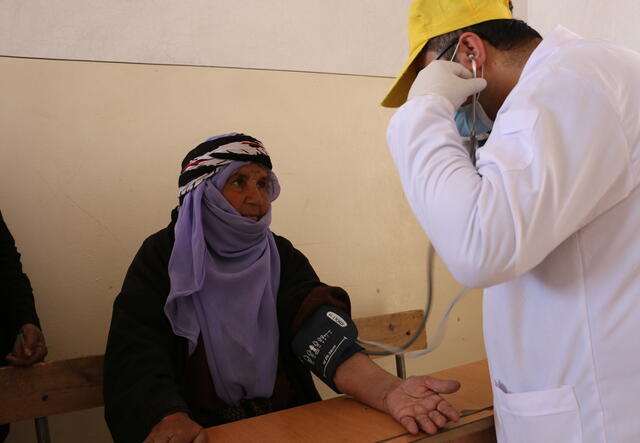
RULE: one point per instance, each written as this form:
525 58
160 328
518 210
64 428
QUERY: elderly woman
219 319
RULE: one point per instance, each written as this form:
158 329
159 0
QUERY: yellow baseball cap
431 18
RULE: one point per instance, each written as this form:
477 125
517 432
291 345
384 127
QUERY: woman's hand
177 428
416 405
415 402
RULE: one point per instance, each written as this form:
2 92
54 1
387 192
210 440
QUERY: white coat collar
557 38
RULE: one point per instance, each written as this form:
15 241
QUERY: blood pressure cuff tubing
326 339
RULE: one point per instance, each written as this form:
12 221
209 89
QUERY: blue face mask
464 120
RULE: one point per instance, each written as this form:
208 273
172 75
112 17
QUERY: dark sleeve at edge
301 291
16 286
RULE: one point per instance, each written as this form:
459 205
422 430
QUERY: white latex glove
447 79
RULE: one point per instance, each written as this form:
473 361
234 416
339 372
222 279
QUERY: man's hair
503 34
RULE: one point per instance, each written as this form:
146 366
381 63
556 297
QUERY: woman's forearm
365 381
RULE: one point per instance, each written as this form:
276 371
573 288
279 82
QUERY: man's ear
470 44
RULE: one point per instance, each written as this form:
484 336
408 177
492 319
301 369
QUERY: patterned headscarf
209 157
225 272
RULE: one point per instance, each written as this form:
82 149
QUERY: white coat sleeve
556 159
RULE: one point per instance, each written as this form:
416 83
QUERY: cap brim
398 92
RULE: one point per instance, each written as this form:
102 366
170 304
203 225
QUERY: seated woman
219 319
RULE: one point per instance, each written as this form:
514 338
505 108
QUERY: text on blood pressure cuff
327 338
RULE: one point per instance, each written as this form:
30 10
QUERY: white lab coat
549 223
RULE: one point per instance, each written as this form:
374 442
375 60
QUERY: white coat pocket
538 417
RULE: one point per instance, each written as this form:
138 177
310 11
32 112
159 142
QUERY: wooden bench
50 388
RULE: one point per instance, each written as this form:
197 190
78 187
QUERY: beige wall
88 168
616 21
337 36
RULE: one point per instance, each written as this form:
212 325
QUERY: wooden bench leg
401 369
42 430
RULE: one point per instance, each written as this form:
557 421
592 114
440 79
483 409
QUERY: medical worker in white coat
547 220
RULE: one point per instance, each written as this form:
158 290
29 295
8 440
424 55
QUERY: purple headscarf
225 272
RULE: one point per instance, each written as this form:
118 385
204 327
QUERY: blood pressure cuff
326 339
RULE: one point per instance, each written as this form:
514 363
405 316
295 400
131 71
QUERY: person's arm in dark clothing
21 329
16 288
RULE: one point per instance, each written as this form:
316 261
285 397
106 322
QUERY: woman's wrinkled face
248 190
